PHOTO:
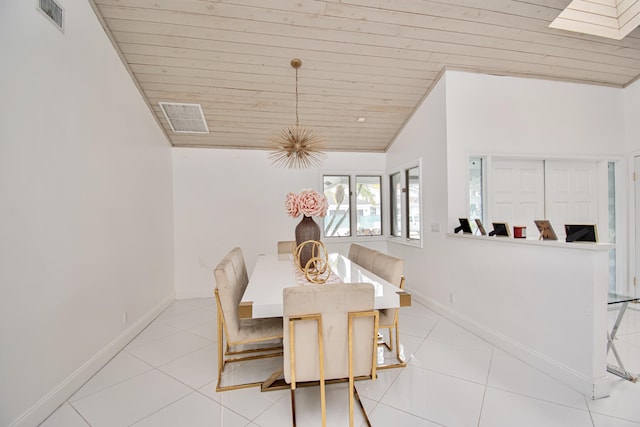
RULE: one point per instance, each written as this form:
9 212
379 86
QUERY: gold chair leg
364 413
220 350
292 361
397 341
323 399
293 407
352 388
382 341
350 352
323 403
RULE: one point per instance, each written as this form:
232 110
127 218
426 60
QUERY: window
413 203
353 213
475 188
337 191
396 204
405 209
368 219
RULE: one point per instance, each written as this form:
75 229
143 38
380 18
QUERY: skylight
613 19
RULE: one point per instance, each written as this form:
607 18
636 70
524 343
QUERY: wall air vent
53 11
184 118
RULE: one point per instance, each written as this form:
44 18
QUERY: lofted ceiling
373 60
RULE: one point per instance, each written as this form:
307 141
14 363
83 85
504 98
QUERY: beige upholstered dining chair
246 338
354 252
366 257
390 268
329 334
286 247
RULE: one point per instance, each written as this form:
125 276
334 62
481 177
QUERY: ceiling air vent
184 118
53 11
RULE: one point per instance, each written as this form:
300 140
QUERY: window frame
382 205
348 197
404 237
409 209
483 190
394 230
353 176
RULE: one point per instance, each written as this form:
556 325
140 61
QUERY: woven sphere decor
317 268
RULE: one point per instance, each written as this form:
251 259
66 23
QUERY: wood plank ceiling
375 59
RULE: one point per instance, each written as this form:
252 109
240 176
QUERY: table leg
619 370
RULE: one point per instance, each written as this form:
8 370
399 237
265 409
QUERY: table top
273 273
618 299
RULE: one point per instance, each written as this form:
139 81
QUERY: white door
572 194
517 191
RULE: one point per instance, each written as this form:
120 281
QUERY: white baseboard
61 393
593 388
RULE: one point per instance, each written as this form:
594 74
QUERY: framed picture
581 232
464 226
480 227
500 229
545 229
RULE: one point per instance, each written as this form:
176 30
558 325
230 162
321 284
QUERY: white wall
632 117
480 114
632 136
425 137
85 208
229 198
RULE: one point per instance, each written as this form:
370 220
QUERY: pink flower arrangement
307 202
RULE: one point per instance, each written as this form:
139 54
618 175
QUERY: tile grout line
486 385
593 423
178 357
162 408
79 414
408 361
151 367
177 330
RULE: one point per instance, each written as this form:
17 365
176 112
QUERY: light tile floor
167 375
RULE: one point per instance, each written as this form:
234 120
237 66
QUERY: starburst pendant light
297 146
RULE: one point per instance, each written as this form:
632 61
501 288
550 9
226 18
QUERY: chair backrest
388 267
286 247
366 257
333 302
231 282
240 268
354 252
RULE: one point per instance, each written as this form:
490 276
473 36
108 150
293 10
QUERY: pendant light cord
296 96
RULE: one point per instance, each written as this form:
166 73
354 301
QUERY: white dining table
273 273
